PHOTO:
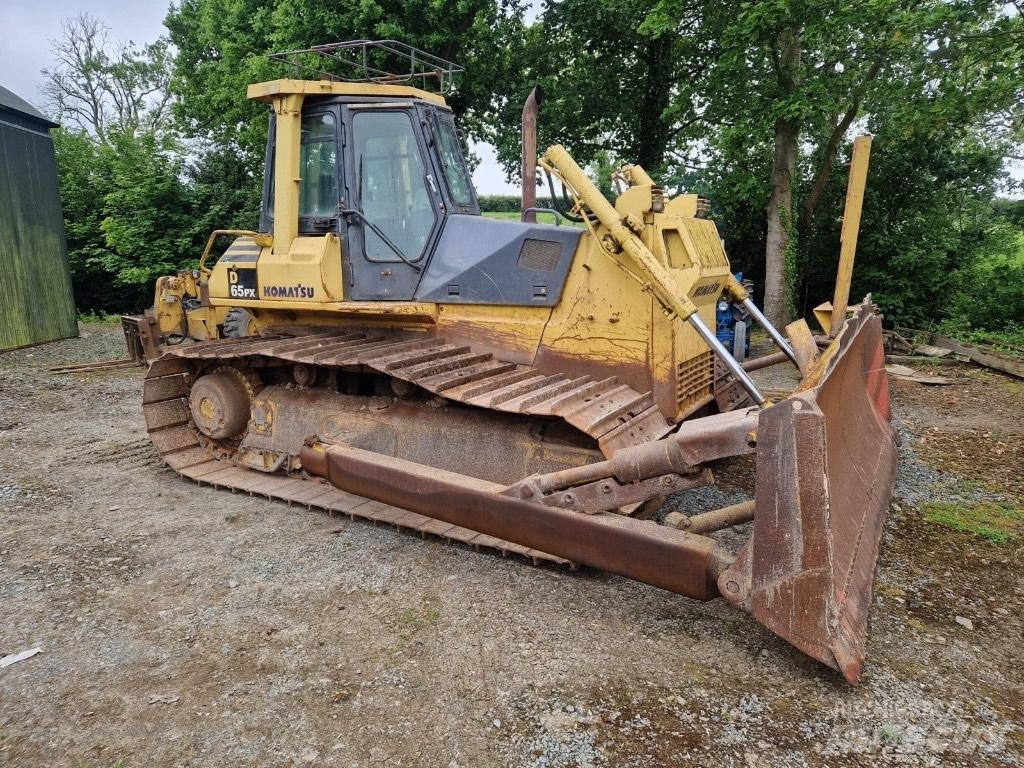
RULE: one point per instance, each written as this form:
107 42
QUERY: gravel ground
184 626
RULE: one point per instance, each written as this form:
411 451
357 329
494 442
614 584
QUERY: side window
318 193
391 184
453 162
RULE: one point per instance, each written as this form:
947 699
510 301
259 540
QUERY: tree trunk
780 219
779 210
828 155
652 98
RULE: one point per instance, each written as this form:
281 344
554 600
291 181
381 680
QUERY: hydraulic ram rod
742 295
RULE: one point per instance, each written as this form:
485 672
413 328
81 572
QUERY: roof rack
372 61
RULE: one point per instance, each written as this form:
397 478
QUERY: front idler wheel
219 403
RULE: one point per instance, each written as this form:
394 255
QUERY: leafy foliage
697 92
134 211
223 46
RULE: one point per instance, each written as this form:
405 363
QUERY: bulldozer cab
381 166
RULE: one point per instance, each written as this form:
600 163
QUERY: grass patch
995 522
103 318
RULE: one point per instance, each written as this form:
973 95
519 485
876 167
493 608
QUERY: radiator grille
540 254
694 380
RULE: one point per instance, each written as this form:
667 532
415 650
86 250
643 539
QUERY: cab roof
266 92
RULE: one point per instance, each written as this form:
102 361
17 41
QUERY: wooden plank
929 351
804 347
909 374
851 229
1003 363
922 359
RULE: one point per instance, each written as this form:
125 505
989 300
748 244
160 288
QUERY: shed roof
13 102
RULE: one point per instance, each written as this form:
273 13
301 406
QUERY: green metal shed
36 300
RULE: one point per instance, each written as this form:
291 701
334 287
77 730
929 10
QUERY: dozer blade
826 465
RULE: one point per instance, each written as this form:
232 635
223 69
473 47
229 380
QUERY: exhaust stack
528 164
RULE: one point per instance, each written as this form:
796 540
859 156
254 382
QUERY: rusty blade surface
826 465
638 549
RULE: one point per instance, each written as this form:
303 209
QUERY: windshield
452 162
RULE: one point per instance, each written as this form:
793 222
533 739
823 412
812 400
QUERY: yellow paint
682 205
311 263
608 316
260 238
635 174
644 266
622 230
851 228
512 332
203 322
288 112
607 320
269 91
823 314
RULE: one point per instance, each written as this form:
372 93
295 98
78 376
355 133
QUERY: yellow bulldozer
379 349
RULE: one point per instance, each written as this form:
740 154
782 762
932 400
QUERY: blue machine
729 315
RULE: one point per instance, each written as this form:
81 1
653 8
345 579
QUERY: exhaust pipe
528 164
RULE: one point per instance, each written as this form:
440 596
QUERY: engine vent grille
540 254
705 239
694 381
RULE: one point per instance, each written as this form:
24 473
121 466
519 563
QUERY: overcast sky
27 26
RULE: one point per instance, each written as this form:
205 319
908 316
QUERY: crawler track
614 414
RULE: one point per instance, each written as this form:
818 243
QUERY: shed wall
36 299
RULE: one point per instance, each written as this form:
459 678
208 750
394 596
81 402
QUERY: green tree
806 72
223 46
129 217
615 76
764 94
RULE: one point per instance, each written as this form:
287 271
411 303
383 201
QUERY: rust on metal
825 473
100 365
141 337
706 522
825 459
614 414
638 549
528 166
765 361
187 452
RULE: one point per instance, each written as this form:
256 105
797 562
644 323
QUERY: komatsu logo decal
288 291
708 290
242 284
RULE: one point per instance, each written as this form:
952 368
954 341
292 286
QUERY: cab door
395 209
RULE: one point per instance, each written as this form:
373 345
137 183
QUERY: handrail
538 209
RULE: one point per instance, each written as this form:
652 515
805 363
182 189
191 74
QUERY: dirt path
184 626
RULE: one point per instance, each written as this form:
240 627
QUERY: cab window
453 162
391 180
318 192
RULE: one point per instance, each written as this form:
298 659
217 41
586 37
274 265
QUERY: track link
613 414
